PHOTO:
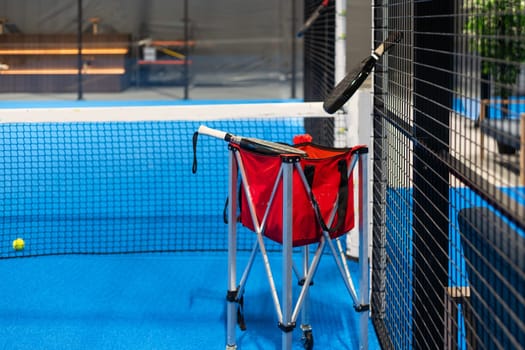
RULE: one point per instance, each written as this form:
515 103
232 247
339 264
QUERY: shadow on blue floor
167 301
400 250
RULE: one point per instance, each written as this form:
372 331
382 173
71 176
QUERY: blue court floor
152 301
162 301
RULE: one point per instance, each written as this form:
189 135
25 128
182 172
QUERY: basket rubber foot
308 340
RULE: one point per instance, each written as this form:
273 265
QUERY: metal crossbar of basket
297 196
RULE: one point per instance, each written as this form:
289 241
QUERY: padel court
122 252
125 248
394 221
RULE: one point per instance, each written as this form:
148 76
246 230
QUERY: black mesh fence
318 57
448 176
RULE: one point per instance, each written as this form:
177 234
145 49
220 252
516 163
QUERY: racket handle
210 132
214 133
317 12
393 39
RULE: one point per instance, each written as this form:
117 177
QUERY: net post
80 63
231 317
364 259
186 50
340 125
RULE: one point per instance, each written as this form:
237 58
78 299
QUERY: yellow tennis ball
18 244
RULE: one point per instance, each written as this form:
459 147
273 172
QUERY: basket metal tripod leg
287 311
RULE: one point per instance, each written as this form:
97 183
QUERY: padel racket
252 144
313 17
355 78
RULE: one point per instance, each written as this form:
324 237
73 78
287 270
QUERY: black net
120 187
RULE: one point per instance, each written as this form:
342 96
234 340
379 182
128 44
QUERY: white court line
163 113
